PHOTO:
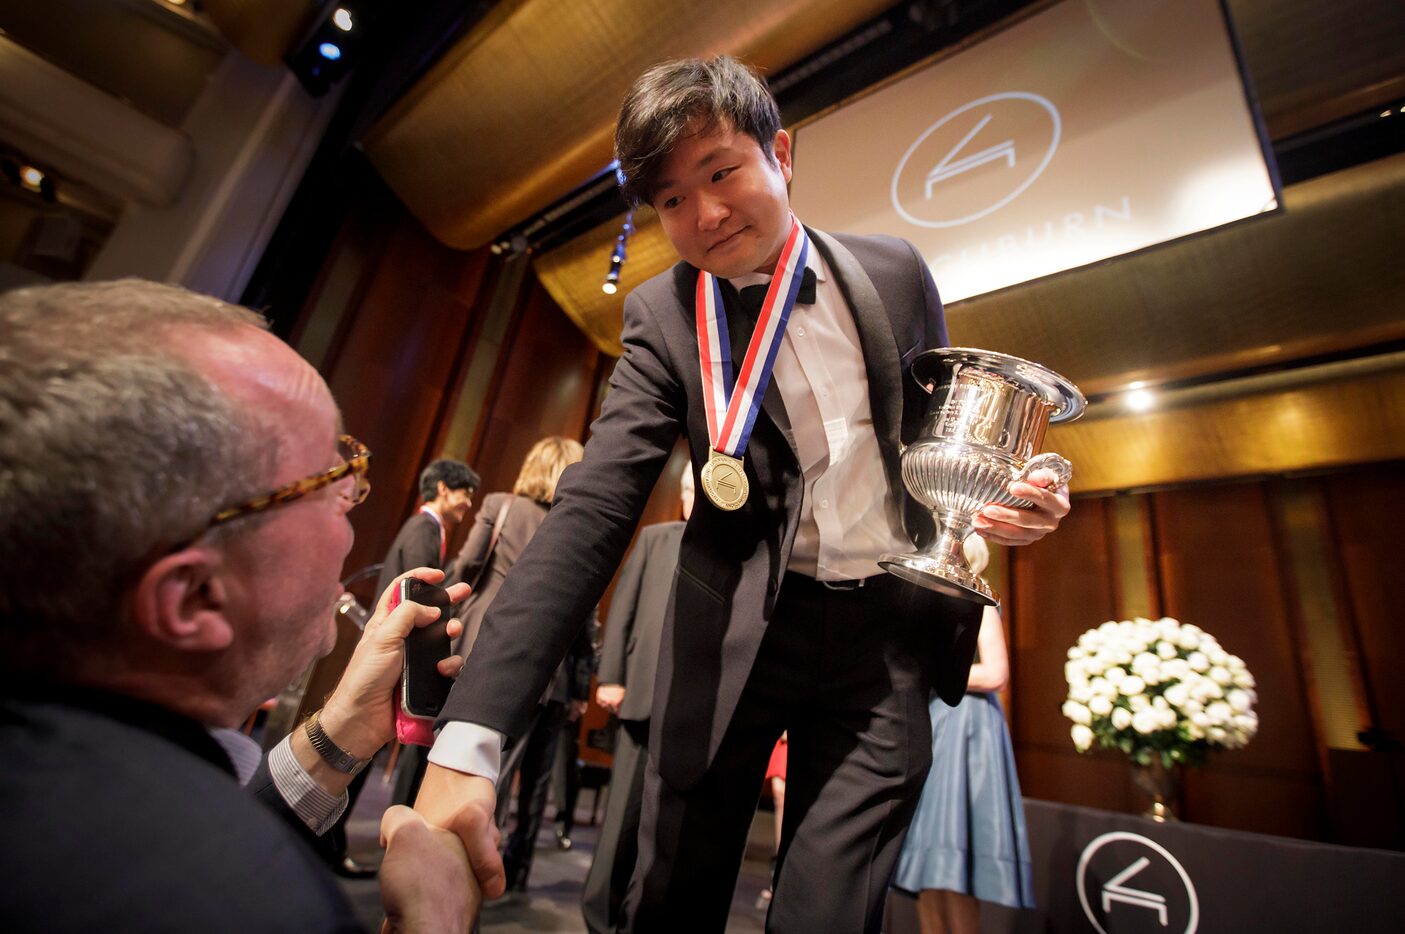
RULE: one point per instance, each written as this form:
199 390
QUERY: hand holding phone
423 690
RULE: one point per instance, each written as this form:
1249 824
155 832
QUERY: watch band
335 756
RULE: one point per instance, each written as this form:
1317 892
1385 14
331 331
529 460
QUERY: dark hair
456 475
678 98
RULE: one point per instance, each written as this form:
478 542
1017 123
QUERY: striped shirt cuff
318 808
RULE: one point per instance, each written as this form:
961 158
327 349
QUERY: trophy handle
1058 464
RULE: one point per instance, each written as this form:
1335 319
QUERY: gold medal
724 481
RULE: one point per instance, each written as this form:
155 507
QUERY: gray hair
112 448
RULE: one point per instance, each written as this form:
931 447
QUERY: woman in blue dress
967 842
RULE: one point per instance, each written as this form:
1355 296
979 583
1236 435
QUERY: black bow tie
754 296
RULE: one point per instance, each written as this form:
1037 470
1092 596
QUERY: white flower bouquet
1158 688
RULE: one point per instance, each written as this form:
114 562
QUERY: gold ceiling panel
521 111
574 273
1322 276
264 30
1330 415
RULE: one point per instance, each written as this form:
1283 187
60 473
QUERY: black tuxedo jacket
731 564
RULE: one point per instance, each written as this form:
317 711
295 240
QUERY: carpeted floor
552 902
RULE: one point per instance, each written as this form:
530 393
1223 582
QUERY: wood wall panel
1367 509
1059 588
1221 570
392 367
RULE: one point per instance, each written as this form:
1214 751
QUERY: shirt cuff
470 748
318 808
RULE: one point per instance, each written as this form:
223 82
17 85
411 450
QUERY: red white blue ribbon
731 408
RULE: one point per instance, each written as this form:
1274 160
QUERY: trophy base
935 574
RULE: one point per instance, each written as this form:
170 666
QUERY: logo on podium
1129 883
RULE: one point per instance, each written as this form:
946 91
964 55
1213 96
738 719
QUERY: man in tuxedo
781 618
174 490
626 689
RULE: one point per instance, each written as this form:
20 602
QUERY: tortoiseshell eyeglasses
356 459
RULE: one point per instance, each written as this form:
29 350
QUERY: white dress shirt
847 517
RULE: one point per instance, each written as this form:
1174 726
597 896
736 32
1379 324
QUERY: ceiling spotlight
342 19
31 178
496 248
1140 400
330 51
609 288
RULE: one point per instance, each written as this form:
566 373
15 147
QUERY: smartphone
423 689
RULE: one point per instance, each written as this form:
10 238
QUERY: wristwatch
335 756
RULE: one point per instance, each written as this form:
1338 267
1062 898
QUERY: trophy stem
941 566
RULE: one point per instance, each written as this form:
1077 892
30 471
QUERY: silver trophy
984 427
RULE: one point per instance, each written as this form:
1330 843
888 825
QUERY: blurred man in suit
174 490
626 689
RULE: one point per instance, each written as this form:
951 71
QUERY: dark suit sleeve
936 316
261 786
620 623
562 573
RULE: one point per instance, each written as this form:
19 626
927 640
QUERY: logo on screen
976 159
1129 883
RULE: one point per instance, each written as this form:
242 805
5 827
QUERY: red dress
776 767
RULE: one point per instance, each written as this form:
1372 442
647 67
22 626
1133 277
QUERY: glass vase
1160 787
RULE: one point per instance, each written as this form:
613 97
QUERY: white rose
1139 703
1103 687
1198 662
1080 692
1169 719
1122 657
1218 656
1221 675
1176 695
1160 703
1152 675
1144 660
1194 732
1216 734
1242 679
1165 650
1121 718
1192 706
1077 712
1100 706
1146 721
1075 653
1235 663
1082 737
1108 629
1219 713
1114 675
1201 720
1174 669
1188 640
1239 700
1074 671
1247 723
1131 686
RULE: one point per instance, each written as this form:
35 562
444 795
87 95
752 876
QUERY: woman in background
967 842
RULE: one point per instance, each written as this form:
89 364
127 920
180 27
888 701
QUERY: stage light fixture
1140 400
31 178
609 288
342 19
330 51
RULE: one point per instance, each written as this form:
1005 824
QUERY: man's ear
181 601
441 491
781 148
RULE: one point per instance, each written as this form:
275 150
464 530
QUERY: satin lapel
880 349
740 326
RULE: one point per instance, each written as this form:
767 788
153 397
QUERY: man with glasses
174 490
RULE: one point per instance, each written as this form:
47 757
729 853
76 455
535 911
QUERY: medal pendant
724 481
